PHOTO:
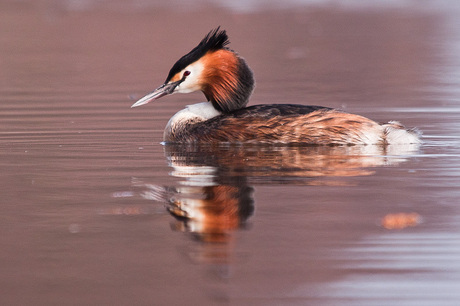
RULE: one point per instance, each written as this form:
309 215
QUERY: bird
228 82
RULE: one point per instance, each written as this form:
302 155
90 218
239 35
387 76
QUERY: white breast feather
191 113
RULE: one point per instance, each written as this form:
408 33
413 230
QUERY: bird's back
284 124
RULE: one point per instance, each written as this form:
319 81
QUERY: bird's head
223 76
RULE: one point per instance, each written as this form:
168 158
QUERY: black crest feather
213 41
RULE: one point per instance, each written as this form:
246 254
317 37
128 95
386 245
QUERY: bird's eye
186 73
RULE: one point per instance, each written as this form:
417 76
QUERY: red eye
186 73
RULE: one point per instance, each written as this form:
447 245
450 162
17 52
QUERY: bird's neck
229 81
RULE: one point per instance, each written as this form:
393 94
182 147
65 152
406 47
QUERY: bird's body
227 82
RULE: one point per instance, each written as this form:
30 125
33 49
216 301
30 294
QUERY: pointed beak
163 90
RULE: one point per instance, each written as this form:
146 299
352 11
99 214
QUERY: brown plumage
319 127
219 83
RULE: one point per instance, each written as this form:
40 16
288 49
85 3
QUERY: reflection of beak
163 90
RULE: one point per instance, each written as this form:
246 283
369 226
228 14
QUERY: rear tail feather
396 133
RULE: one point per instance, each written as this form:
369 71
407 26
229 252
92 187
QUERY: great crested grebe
227 82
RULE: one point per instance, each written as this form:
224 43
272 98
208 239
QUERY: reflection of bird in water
294 165
214 197
210 213
227 82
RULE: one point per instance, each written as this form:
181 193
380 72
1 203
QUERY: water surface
95 210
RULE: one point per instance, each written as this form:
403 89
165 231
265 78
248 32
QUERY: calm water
96 211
